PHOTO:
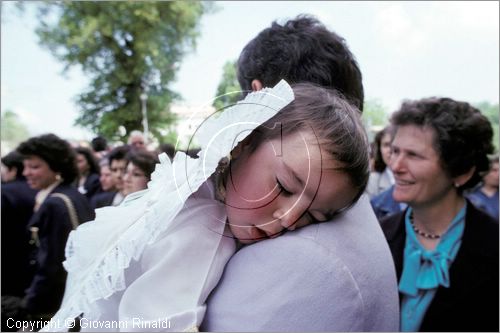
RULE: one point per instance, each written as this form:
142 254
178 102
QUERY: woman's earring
457 185
58 176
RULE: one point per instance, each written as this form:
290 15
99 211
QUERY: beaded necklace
420 232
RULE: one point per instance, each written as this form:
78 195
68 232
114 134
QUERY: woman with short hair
445 250
50 168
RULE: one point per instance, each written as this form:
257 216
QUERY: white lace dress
174 275
150 263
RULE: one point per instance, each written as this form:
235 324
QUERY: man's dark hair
14 160
56 152
99 143
301 50
118 153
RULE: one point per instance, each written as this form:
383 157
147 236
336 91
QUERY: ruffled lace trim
98 252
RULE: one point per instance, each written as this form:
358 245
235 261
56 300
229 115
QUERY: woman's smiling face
420 178
284 184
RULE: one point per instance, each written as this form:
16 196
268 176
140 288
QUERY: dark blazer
102 199
18 200
45 293
471 301
92 185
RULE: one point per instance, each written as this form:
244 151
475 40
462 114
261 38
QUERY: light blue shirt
424 271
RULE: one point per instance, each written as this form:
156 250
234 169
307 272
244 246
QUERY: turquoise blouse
424 271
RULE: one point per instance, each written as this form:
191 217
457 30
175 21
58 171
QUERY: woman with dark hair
381 178
50 168
87 181
141 165
445 250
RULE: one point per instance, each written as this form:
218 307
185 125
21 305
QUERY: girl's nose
287 220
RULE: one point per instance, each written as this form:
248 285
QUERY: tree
127 48
13 131
228 90
375 116
491 111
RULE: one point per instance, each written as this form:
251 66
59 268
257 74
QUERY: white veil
98 252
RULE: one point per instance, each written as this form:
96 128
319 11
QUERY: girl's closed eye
282 188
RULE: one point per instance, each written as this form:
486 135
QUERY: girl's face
134 179
282 185
38 173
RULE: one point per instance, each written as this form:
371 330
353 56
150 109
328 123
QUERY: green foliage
375 113
228 90
124 47
491 111
12 130
375 117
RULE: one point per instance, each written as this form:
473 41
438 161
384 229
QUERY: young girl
151 263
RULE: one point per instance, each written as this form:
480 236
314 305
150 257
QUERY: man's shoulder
342 267
18 189
353 240
357 227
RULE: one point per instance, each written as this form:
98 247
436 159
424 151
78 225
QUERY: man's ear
256 85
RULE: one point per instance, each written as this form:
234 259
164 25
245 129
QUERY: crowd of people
315 237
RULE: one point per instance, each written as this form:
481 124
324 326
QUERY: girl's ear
463 178
256 85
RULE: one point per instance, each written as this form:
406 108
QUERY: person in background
136 140
168 149
105 177
50 168
383 204
100 147
381 178
87 181
141 165
12 167
118 165
18 200
485 195
445 250
332 276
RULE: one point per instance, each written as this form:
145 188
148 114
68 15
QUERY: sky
406 50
